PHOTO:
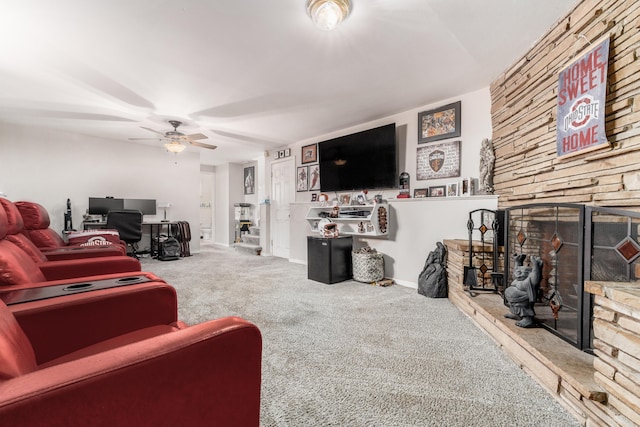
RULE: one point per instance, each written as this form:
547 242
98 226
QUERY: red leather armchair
64 362
37 228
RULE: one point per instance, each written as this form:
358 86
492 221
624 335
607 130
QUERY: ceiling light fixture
174 147
327 14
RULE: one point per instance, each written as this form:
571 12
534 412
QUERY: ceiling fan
175 138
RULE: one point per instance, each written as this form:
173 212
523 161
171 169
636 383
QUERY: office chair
128 222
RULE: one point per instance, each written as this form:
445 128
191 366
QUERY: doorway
207 188
282 195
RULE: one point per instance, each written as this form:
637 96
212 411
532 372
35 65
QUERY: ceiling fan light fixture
174 147
328 14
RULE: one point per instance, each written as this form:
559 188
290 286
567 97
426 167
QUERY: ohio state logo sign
581 112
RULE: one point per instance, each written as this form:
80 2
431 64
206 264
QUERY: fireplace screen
554 233
576 243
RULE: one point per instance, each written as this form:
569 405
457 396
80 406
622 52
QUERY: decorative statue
521 295
487 161
432 281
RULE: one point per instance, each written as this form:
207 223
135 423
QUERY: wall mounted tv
361 161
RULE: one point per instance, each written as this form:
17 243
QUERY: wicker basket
367 267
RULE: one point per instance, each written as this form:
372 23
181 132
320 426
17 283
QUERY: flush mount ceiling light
327 14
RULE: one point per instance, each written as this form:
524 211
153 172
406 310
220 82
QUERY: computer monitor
146 206
102 205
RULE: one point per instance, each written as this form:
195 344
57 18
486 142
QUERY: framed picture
441 160
314 197
420 192
276 155
250 180
287 152
437 191
281 154
309 154
345 199
452 189
464 187
440 123
314 178
302 178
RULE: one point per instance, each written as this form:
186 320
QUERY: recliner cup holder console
131 280
77 287
35 294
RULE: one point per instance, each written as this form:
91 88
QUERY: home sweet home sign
582 90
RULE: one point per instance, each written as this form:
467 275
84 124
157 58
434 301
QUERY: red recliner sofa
37 228
120 358
16 234
19 271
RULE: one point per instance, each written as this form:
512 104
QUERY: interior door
282 194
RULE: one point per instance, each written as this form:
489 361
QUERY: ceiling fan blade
197 136
153 130
201 145
145 139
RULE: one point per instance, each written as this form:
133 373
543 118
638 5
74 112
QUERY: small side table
329 259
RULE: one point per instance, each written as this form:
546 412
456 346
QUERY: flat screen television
364 160
102 205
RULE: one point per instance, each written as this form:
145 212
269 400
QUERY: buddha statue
521 295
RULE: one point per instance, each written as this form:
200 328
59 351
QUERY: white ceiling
252 75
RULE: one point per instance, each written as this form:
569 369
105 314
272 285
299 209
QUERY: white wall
222 216
475 126
415 224
48 166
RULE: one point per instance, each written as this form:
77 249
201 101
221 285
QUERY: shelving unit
356 220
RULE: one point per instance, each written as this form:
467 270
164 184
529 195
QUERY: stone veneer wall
616 327
523 98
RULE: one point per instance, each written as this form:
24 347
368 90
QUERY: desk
155 229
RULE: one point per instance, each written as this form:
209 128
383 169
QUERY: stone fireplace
586 353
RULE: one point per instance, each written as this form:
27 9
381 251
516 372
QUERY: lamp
174 147
164 206
327 14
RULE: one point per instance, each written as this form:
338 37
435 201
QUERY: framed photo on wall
452 189
440 123
314 177
437 191
302 178
441 160
420 192
250 180
309 154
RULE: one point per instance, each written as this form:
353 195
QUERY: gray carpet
352 354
